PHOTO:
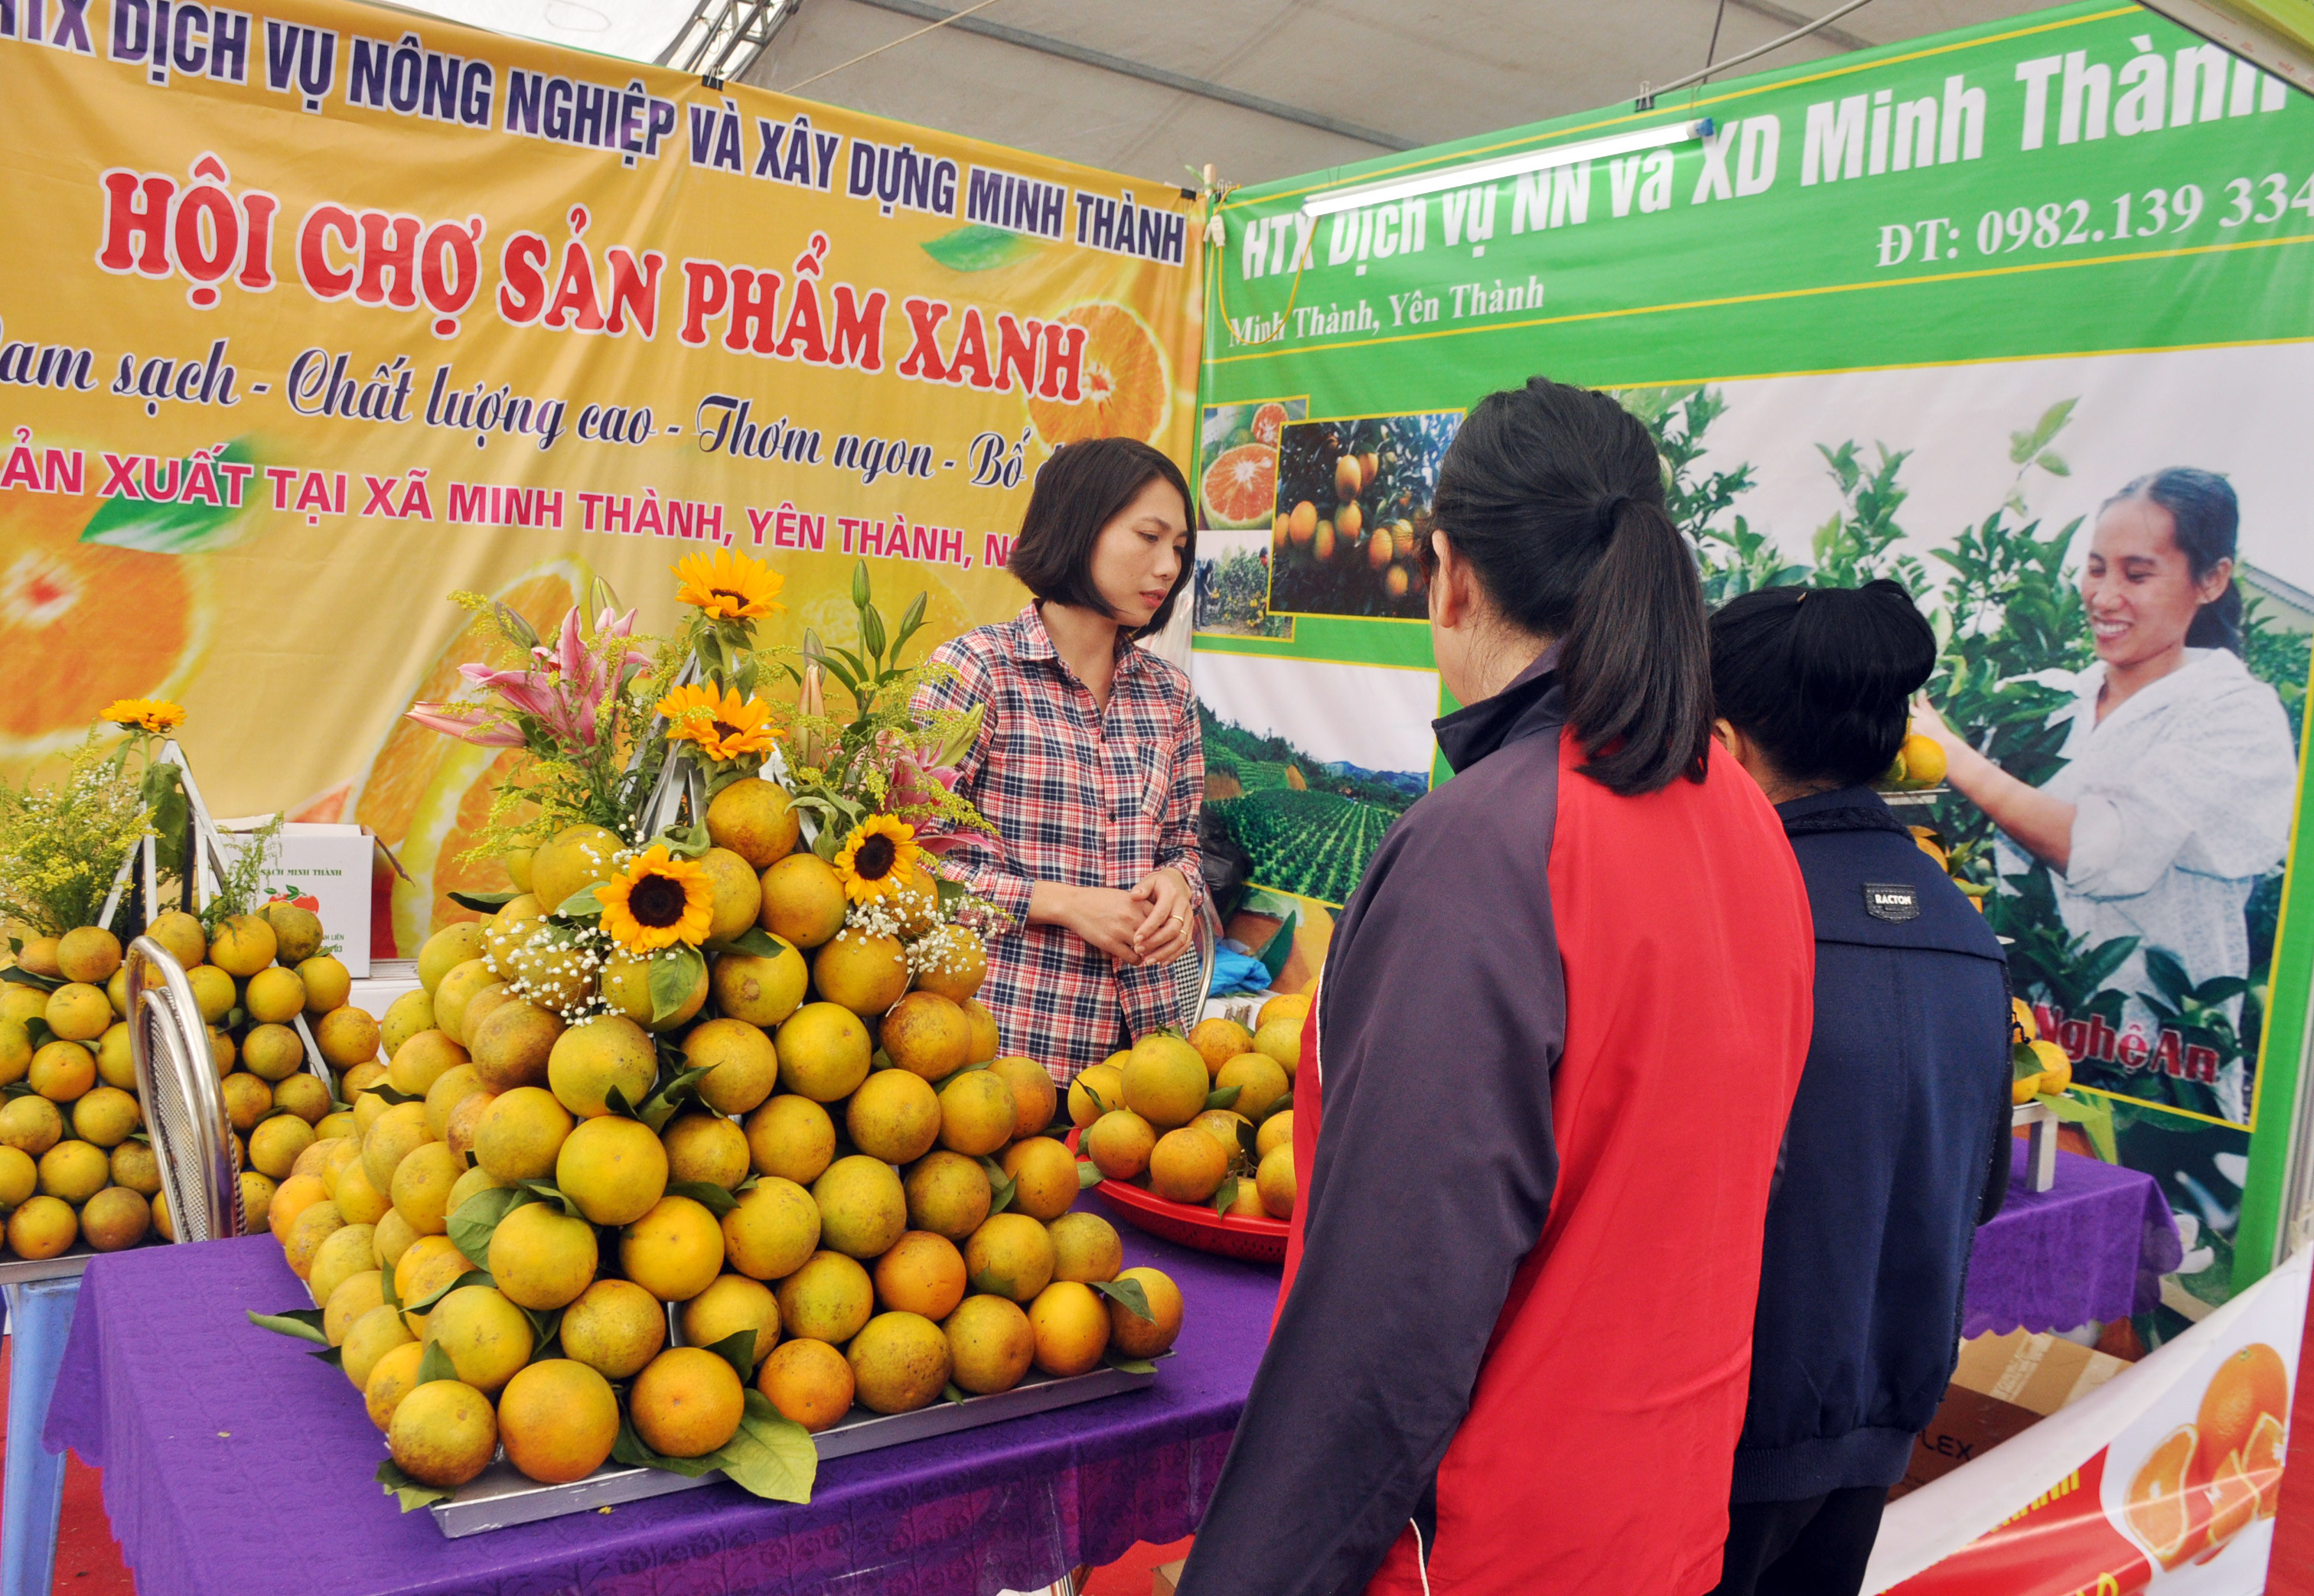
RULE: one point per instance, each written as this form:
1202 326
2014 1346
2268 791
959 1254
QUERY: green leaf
1089 1175
1280 1106
673 981
390 1095
1129 1293
547 1191
685 842
24 977
434 1364
300 1324
635 1454
978 247
738 1350
755 942
386 1289
1128 1365
1248 1141
334 1356
1225 1096
413 1493
582 905
661 1105
172 528
614 1099
708 1195
771 1456
471 1277
37 1029
1224 1194
953 1392
477 1219
1000 1186
487 902
546 1326
2050 461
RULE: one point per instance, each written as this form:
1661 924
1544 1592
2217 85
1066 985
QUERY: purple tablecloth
2094 1245
236 1465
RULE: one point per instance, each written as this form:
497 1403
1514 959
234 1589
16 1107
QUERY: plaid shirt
1080 796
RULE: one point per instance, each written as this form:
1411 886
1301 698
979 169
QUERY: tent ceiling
1270 88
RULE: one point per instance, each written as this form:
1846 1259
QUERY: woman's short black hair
1822 678
1079 491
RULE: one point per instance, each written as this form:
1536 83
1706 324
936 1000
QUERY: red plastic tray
1255 1240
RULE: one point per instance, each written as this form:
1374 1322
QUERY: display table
2094 1246
236 1465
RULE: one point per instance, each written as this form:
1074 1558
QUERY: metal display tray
72 1260
501 1497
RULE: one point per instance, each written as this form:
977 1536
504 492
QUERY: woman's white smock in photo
2182 801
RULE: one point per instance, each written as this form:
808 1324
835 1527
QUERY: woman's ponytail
1555 496
1635 658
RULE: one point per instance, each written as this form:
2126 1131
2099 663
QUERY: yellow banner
310 315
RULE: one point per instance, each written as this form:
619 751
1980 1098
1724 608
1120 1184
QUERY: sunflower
729 586
144 714
724 727
657 901
877 857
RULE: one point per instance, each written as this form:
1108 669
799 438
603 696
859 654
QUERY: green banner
1919 312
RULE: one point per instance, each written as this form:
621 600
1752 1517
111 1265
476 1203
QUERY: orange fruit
1127 390
1240 485
1269 422
2251 1383
2160 1505
2234 1497
61 604
2262 1462
427 795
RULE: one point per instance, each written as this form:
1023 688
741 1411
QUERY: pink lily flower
468 725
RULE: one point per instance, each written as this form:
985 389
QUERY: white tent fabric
1262 89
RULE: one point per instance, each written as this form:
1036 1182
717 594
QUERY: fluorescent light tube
1486 172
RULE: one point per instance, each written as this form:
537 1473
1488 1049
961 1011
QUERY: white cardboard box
327 869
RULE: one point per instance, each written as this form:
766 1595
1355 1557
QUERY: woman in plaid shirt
1088 761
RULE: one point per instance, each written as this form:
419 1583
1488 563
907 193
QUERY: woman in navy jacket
1898 1142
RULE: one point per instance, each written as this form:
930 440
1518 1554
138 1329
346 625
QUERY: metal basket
184 1112
1193 972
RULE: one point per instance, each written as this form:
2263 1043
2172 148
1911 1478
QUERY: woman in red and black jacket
1558 1030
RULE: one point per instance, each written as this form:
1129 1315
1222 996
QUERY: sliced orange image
82 624
2251 1384
428 795
2262 1462
1127 389
1269 422
2234 1497
1240 485
2161 1506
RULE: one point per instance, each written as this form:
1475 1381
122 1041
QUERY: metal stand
39 1316
2039 1123
203 867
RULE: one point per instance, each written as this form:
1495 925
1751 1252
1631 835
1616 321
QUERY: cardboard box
325 869
1168 1578
2002 1385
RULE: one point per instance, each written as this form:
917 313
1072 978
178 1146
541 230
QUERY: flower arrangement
596 718
62 841
723 913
